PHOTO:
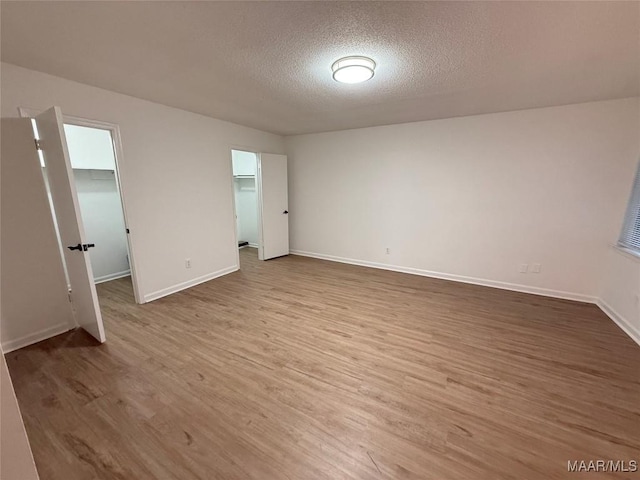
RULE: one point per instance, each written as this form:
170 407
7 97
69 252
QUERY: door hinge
69 295
38 144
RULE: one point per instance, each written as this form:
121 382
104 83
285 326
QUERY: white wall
620 291
620 285
104 226
16 459
175 175
471 198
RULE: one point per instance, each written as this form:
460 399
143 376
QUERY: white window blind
630 236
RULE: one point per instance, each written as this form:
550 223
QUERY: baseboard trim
112 276
188 284
578 297
16 344
619 320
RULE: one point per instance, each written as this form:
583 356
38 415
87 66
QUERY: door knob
82 246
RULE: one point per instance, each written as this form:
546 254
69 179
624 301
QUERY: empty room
319 240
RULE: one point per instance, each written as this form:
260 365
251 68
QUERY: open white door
35 301
274 206
65 200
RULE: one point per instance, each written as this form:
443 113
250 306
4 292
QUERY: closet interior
93 161
246 200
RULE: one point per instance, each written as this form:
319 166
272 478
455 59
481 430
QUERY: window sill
633 255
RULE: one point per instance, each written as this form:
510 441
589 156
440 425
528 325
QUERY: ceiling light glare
353 69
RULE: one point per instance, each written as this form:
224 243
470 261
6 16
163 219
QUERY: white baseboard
112 276
11 345
191 283
579 297
619 320
251 245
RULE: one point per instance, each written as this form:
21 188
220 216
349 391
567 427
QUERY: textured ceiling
267 64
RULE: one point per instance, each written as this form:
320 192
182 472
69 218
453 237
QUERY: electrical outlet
523 268
187 263
535 268
388 250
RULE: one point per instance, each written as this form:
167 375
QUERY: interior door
84 298
274 206
35 299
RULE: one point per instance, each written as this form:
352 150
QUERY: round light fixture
353 69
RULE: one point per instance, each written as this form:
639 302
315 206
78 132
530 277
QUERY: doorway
245 194
260 200
93 157
95 154
93 160
47 196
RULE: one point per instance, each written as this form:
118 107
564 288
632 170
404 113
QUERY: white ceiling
267 64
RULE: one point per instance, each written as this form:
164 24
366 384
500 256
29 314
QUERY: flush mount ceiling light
353 69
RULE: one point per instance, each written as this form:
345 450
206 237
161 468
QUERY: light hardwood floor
304 369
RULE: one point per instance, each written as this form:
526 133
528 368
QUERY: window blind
630 236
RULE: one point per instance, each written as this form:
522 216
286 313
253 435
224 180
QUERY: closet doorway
93 160
260 203
245 194
94 152
245 168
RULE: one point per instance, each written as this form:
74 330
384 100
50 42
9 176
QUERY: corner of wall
619 320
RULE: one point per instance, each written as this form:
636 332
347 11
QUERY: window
630 236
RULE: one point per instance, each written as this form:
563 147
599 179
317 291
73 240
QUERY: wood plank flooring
303 369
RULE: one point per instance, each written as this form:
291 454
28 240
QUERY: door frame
260 206
233 200
116 139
